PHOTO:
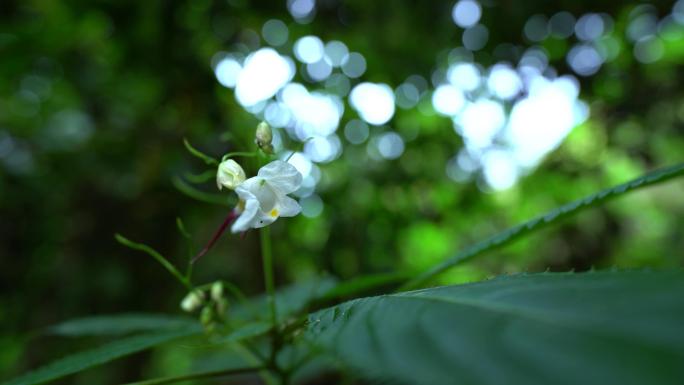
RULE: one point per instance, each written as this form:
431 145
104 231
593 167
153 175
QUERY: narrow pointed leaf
119 324
513 233
100 355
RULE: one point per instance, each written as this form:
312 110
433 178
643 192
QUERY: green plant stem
251 354
197 376
238 153
154 254
267 257
199 154
201 178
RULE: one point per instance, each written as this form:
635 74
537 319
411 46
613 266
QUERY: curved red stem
229 219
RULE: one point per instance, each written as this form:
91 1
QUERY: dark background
96 96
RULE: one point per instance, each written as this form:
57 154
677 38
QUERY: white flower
263 198
229 174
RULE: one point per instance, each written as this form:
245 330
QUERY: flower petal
246 188
288 207
248 216
282 176
263 220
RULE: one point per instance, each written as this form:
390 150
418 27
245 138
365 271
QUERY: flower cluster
263 198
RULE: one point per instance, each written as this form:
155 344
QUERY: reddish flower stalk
229 219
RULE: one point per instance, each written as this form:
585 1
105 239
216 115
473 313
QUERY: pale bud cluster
211 302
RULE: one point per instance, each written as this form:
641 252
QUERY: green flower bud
192 301
207 316
264 137
217 291
264 134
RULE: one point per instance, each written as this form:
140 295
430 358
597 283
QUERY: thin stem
238 153
197 376
206 158
301 147
191 247
251 354
267 257
157 256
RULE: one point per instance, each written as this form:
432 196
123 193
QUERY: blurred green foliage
96 96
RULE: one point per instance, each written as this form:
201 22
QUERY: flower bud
229 174
264 134
192 301
207 316
217 291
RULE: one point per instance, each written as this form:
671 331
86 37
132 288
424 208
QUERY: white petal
248 216
288 207
263 219
282 176
244 190
259 189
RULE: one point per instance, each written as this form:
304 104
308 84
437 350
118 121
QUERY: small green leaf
119 324
206 158
554 328
100 355
552 217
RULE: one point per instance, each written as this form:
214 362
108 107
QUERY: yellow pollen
274 213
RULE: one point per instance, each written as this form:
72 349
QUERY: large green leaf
120 324
507 236
100 355
552 328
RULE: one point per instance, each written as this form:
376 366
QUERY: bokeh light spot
374 102
465 76
448 100
227 71
589 27
356 131
390 145
308 49
275 32
407 95
263 74
354 65
466 13
584 59
504 82
335 52
475 37
562 24
536 28
649 49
